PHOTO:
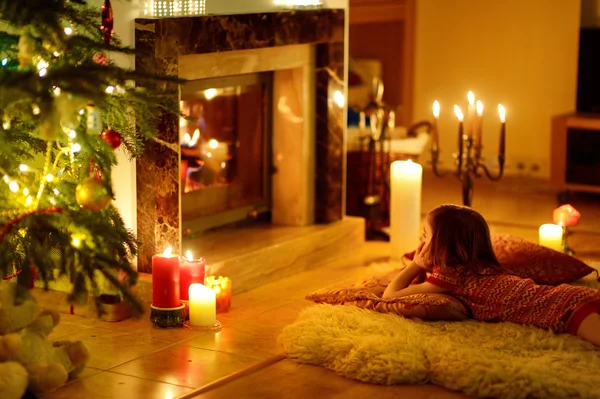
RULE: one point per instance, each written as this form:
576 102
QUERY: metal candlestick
566 249
469 163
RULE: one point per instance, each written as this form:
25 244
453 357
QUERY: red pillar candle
165 280
222 288
191 271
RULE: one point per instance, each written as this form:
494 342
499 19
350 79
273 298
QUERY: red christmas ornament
112 137
107 21
100 58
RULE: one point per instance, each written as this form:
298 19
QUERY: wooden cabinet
385 30
575 162
370 11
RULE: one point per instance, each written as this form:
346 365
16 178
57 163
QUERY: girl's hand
422 258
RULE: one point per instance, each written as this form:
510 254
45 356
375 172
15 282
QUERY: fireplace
295 129
225 164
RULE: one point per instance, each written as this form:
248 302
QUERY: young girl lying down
456 250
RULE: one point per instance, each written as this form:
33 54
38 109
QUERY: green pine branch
48 79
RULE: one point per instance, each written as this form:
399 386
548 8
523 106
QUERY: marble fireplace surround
306 52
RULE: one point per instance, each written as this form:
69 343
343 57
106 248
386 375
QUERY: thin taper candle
470 114
478 132
502 114
460 117
434 129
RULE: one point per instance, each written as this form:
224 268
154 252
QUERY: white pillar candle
405 207
551 236
203 306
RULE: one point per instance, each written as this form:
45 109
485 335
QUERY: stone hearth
305 50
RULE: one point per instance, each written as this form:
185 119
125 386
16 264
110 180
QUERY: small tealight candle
165 280
222 288
191 271
551 236
203 310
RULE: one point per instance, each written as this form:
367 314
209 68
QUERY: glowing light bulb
25 191
43 72
56 91
223 165
56 54
72 134
110 90
29 200
42 64
338 98
23 167
4 61
68 31
76 241
35 109
49 177
81 111
13 186
213 144
55 191
75 148
209 94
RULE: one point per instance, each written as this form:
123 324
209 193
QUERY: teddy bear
49 365
13 376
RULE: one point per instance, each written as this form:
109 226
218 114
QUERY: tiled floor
132 359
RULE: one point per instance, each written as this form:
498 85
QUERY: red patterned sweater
504 297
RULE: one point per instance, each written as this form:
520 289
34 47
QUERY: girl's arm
423 288
402 280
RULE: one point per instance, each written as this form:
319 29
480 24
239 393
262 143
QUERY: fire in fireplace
225 143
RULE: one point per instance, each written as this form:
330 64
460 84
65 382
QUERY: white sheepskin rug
501 360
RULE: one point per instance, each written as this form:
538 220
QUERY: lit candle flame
479 108
436 109
189 256
213 144
458 113
501 113
195 138
168 251
471 97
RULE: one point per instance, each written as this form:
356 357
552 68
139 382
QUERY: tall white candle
551 236
405 207
203 306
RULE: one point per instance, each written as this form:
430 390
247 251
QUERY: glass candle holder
222 288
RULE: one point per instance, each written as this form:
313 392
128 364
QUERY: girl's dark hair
461 237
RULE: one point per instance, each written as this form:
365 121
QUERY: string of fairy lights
49 173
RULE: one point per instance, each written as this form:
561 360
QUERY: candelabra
469 161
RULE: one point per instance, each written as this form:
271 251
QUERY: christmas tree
65 108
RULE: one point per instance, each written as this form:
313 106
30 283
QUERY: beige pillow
367 294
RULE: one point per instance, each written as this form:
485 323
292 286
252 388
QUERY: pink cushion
543 265
526 259
367 293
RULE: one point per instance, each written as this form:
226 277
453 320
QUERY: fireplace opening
226 151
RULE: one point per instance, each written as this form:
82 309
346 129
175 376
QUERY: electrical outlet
534 168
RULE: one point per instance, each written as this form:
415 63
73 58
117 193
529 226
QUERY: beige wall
521 53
